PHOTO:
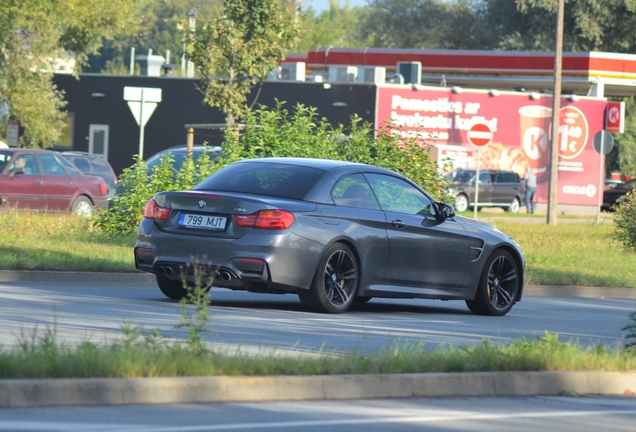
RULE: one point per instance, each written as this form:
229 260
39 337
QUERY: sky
320 5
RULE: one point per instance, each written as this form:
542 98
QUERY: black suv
496 189
615 195
90 164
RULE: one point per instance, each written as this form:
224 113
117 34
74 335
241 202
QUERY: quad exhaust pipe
169 270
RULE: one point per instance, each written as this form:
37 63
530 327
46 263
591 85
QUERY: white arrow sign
142 102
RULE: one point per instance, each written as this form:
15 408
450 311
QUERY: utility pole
553 182
192 24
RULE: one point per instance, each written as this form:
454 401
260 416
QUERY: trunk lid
211 214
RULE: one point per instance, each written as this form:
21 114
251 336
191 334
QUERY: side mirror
446 211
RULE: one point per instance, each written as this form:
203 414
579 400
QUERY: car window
51 165
507 177
626 186
5 157
82 164
399 196
354 191
28 162
72 170
280 180
461 176
100 166
484 177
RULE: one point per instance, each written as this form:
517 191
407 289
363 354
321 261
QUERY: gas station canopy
597 74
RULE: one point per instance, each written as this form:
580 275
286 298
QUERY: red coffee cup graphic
534 125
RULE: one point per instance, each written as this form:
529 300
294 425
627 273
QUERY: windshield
461 176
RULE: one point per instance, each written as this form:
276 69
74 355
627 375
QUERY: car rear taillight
104 189
155 211
266 219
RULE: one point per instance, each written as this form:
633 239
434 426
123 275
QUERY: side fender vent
476 249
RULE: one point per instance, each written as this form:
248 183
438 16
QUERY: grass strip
151 356
59 241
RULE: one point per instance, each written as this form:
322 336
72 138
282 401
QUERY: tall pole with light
553 182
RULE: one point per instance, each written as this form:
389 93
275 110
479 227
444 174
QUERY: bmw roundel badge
201 203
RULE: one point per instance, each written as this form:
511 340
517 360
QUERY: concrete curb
118 391
139 278
136 278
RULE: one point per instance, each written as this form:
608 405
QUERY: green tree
424 24
160 29
37 32
244 45
589 25
333 27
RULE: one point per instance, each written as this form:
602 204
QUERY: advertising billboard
521 127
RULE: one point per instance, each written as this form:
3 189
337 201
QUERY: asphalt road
256 323
520 414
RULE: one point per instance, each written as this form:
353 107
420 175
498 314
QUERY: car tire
461 202
171 288
82 206
514 206
498 286
335 282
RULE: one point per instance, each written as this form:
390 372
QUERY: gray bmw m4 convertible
333 232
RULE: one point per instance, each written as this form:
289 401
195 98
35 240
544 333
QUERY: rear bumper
280 259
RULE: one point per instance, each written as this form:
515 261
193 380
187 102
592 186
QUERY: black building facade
96 106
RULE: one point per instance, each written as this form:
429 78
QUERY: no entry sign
479 135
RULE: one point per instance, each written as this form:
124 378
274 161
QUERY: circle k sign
479 135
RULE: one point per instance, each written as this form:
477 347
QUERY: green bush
271 133
625 221
277 132
137 186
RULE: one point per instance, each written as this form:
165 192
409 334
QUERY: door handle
40 181
398 224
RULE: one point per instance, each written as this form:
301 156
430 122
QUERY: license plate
216 223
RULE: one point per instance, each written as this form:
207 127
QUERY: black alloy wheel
335 282
498 286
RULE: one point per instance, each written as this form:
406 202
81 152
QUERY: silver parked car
332 232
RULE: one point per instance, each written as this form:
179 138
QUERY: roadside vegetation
147 354
583 254
61 241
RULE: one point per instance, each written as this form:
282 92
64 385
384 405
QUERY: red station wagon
43 180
